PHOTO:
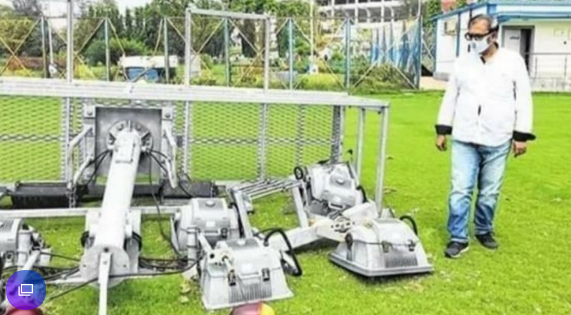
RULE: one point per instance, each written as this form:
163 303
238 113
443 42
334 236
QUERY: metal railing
223 134
550 71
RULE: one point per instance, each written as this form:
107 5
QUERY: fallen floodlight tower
112 240
113 247
141 108
331 204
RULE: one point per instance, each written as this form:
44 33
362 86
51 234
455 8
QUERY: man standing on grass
488 109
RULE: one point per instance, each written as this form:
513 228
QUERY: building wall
550 57
447 43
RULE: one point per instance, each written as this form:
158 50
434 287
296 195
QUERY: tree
128 23
293 8
31 8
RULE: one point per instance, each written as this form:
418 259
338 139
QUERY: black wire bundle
157 205
163 167
127 275
98 160
298 271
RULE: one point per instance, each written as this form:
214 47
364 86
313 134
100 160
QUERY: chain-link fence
222 133
315 54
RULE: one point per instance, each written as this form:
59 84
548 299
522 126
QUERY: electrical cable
61 274
290 251
166 238
86 283
152 152
411 221
60 256
101 156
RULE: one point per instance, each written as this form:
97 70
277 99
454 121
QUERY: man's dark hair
492 23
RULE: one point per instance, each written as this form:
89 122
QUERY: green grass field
529 274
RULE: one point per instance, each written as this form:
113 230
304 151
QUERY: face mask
479 46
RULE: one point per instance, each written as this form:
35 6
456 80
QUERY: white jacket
488 103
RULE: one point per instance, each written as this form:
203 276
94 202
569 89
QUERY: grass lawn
529 274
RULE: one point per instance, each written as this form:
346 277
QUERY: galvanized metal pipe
382 158
166 49
360 138
267 40
187 46
227 69
107 51
70 48
233 15
290 50
74 212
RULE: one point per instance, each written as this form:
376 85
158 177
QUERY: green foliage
430 9
321 82
207 61
95 53
6 11
129 47
205 79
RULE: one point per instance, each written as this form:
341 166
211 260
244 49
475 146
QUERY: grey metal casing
382 247
240 272
17 244
9 230
333 185
210 216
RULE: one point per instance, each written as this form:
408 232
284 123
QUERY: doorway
519 39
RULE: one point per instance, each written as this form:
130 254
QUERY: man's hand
441 142
519 148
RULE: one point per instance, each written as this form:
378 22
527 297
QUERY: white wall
446 44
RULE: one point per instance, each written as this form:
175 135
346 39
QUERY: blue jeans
475 164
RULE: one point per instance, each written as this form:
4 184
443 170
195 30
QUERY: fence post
67 173
267 44
290 50
382 158
187 154
187 46
418 52
70 49
227 51
347 54
44 54
107 51
166 48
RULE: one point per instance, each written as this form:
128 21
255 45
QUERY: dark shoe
487 240
455 249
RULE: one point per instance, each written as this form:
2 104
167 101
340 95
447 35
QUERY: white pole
70 49
311 35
